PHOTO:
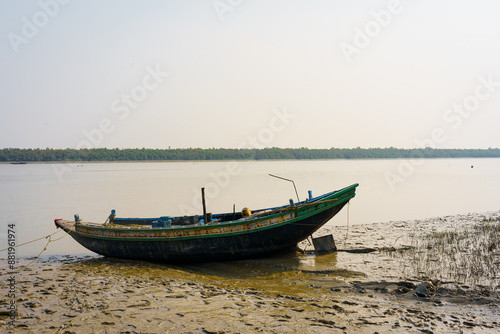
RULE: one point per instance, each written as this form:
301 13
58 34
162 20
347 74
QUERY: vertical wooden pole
204 206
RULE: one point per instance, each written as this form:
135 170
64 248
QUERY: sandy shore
343 292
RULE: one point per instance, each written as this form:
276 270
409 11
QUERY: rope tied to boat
49 237
28 242
36 257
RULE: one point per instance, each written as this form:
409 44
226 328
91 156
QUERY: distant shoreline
10 155
225 160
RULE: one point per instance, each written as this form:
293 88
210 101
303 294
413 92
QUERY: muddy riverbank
401 286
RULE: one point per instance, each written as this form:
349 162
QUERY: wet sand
368 286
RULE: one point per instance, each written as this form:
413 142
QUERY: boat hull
244 238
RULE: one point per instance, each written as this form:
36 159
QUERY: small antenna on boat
282 178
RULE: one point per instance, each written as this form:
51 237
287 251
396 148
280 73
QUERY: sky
249 74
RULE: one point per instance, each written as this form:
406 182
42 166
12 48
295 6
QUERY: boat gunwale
301 205
290 221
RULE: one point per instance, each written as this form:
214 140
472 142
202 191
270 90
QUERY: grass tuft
466 255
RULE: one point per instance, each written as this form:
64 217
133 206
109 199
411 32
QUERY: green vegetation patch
188 154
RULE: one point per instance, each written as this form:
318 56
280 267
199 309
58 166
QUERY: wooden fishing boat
226 236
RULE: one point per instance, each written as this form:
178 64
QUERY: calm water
33 195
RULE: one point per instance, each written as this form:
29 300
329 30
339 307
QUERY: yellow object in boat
246 212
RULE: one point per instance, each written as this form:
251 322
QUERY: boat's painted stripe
291 221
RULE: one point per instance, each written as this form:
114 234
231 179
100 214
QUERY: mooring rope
44 248
36 257
28 242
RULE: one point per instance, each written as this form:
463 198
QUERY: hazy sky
260 73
